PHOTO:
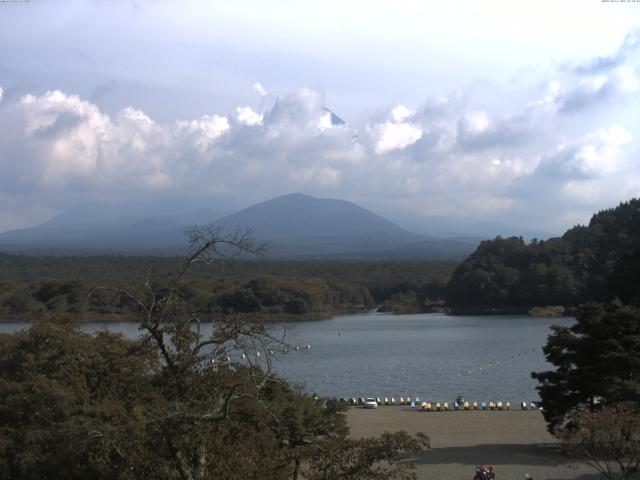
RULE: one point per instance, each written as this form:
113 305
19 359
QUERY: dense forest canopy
31 287
594 262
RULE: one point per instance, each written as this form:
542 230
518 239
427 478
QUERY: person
413 405
482 473
491 473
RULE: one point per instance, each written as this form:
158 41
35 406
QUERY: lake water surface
435 357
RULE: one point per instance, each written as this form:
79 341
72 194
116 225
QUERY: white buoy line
431 406
247 355
505 361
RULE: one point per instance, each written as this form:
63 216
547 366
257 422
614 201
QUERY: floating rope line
504 361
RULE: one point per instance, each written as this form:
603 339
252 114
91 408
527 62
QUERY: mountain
295 226
95 228
297 217
446 227
301 226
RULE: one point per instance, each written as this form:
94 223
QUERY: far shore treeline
596 262
34 287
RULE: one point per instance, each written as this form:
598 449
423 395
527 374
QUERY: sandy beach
515 442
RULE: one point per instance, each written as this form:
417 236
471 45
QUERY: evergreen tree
597 360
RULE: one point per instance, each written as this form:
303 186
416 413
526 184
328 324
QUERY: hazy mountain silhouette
301 217
295 225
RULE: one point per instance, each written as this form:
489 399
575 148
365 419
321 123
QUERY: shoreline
261 318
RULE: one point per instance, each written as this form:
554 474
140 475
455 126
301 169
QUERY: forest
596 262
171 404
34 287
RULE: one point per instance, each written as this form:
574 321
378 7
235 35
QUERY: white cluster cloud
259 89
396 132
596 155
601 79
444 156
248 117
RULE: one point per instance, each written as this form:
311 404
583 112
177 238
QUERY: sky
519 112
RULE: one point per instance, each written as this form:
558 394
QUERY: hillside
593 262
296 226
298 216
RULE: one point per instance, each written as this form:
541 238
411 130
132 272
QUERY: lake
435 357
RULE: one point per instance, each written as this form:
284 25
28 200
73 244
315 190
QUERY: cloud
456 154
204 131
259 89
246 116
595 155
602 79
591 172
396 131
389 136
587 92
628 50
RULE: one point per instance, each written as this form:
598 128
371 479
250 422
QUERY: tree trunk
296 469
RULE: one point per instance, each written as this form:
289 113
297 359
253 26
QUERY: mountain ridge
295 225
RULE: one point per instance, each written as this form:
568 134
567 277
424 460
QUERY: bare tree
207 363
215 383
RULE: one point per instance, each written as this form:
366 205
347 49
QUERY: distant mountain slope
593 262
297 216
295 226
99 229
